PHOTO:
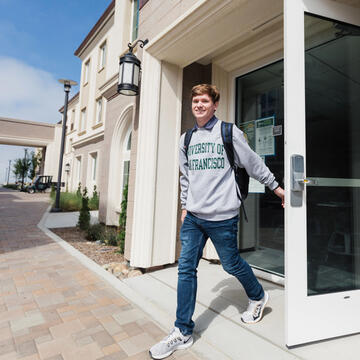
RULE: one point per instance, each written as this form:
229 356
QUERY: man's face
203 108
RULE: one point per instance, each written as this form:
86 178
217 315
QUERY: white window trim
103 55
78 170
125 156
83 116
90 182
72 120
97 120
86 71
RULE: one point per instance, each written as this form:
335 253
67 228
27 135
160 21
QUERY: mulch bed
100 253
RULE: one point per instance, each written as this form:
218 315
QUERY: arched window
126 161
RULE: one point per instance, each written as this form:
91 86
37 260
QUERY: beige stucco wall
51 165
157 15
115 31
95 145
28 133
115 107
131 188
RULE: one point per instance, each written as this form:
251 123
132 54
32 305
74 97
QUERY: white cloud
26 93
29 93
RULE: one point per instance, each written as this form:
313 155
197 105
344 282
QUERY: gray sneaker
255 309
174 341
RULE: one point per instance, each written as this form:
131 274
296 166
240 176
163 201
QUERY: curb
126 291
145 304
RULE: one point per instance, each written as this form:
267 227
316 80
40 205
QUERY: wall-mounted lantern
129 72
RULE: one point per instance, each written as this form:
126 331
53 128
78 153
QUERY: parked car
40 184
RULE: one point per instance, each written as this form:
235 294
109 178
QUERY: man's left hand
281 194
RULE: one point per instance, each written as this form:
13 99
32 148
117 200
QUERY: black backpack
241 176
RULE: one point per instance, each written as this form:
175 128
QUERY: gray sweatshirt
208 187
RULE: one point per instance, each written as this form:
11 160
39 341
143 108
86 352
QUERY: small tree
122 220
84 216
21 169
35 160
94 201
17 168
78 191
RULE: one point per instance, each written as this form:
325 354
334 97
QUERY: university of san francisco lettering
207 163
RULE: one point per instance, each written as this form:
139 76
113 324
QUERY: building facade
288 73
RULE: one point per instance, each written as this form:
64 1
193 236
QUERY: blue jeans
193 235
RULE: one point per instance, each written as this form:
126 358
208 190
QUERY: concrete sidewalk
52 307
55 306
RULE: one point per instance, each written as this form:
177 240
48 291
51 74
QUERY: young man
210 208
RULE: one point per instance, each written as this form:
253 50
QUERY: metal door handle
306 181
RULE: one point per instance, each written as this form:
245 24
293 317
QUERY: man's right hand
183 214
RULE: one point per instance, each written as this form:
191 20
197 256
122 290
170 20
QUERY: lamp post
129 71
8 175
23 170
67 86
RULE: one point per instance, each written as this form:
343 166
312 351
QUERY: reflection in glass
260 95
332 74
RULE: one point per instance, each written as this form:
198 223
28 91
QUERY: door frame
265 61
307 318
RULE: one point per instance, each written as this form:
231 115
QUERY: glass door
322 151
259 114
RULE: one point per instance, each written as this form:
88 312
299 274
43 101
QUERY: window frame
102 55
83 115
99 114
86 72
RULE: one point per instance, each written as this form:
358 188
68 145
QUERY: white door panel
322 234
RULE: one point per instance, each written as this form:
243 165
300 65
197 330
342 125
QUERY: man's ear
216 105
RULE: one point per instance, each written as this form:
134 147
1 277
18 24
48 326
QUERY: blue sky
37 43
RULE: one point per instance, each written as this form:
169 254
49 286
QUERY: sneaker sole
261 312
179 347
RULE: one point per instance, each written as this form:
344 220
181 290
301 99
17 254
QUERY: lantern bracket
142 44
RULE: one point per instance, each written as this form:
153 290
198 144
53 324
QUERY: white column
167 180
157 169
146 161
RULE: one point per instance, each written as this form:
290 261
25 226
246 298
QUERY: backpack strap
226 134
187 140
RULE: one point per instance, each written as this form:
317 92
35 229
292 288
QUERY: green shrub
122 221
96 232
52 191
84 216
78 191
94 201
110 236
11 186
68 201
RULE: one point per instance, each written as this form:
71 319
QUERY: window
98 111
259 98
70 145
126 161
102 56
83 120
72 121
93 166
86 72
78 170
135 20
128 146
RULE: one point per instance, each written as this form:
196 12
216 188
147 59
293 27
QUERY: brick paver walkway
54 308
